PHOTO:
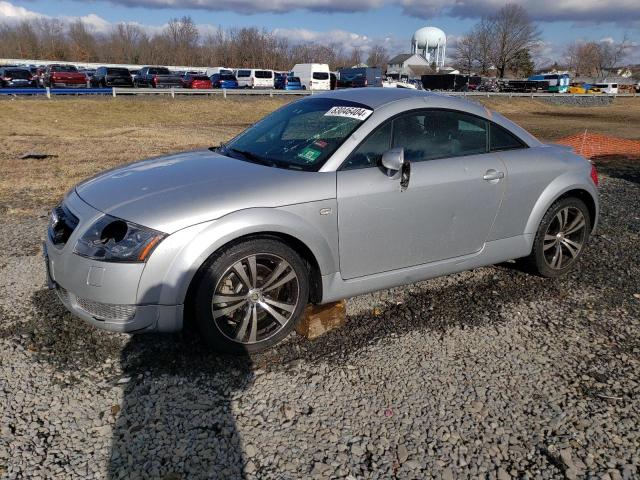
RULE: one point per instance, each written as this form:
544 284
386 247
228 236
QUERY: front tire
251 295
561 238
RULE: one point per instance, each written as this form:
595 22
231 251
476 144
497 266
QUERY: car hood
176 191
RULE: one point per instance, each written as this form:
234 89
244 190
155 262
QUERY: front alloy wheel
251 295
255 298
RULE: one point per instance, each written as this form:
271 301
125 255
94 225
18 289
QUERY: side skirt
335 288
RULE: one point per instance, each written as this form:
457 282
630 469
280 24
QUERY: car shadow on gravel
175 420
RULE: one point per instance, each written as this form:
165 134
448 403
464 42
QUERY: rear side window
117 71
64 68
320 76
264 74
244 73
500 139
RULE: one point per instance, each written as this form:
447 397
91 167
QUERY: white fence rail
173 92
183 92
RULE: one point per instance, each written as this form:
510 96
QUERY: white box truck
313 76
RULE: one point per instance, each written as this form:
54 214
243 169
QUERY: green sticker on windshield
309 155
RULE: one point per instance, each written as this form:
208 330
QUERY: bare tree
356 56
513 31
82 44
482 34
466 54
378 56
596 58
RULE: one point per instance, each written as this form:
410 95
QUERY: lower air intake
107 311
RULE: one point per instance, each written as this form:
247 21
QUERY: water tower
431 43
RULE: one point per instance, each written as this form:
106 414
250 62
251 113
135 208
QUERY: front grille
62 223
107 311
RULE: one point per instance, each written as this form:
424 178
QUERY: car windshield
264 74
117 71
293 80
301 136
64 68
320 76
18 73
228 77
159 71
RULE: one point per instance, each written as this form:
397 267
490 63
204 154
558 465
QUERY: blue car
287 82
224 80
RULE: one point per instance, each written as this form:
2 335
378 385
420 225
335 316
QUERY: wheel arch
313 267
170 276
585 192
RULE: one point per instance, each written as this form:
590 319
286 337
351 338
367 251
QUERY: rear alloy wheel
561 238
251 296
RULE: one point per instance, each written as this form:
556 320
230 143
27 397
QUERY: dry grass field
86 135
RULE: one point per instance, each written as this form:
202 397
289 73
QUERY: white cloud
12 12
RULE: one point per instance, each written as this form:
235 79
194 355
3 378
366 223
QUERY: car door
447 209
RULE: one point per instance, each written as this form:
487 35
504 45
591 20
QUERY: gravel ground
490 373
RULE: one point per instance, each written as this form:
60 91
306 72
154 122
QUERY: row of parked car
308 76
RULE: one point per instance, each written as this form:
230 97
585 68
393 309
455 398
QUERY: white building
410 65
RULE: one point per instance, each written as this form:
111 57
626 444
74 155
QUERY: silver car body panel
177 191
364 232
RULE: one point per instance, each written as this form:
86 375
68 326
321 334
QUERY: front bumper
104 294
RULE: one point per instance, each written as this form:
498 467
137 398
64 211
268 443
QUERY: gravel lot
491 373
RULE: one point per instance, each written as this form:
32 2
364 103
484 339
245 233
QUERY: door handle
493 175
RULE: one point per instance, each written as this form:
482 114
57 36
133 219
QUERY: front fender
172 266
573 180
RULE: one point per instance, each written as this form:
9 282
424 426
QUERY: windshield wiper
252 157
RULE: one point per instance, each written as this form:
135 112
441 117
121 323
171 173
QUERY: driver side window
369 153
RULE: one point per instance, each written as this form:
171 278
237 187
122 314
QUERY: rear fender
572 180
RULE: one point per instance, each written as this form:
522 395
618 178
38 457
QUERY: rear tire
251 295
561 238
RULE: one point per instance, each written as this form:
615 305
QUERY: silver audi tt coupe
330 196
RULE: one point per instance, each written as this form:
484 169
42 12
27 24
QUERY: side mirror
393 161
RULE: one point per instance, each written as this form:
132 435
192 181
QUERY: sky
359 23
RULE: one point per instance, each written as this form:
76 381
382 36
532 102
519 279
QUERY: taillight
286 81
154 80
366 82
594 175
6 79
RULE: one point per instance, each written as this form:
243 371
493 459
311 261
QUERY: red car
196 81
63 76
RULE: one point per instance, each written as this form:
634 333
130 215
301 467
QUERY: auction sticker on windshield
349 112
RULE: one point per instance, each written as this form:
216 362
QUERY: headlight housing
111 239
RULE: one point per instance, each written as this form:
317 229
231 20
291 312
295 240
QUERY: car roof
405 99
376 97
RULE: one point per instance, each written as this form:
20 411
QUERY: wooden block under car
319 319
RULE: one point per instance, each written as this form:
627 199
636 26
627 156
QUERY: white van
254 78
610 88
313 76
220 70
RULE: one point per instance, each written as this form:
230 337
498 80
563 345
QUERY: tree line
179 43
505 41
